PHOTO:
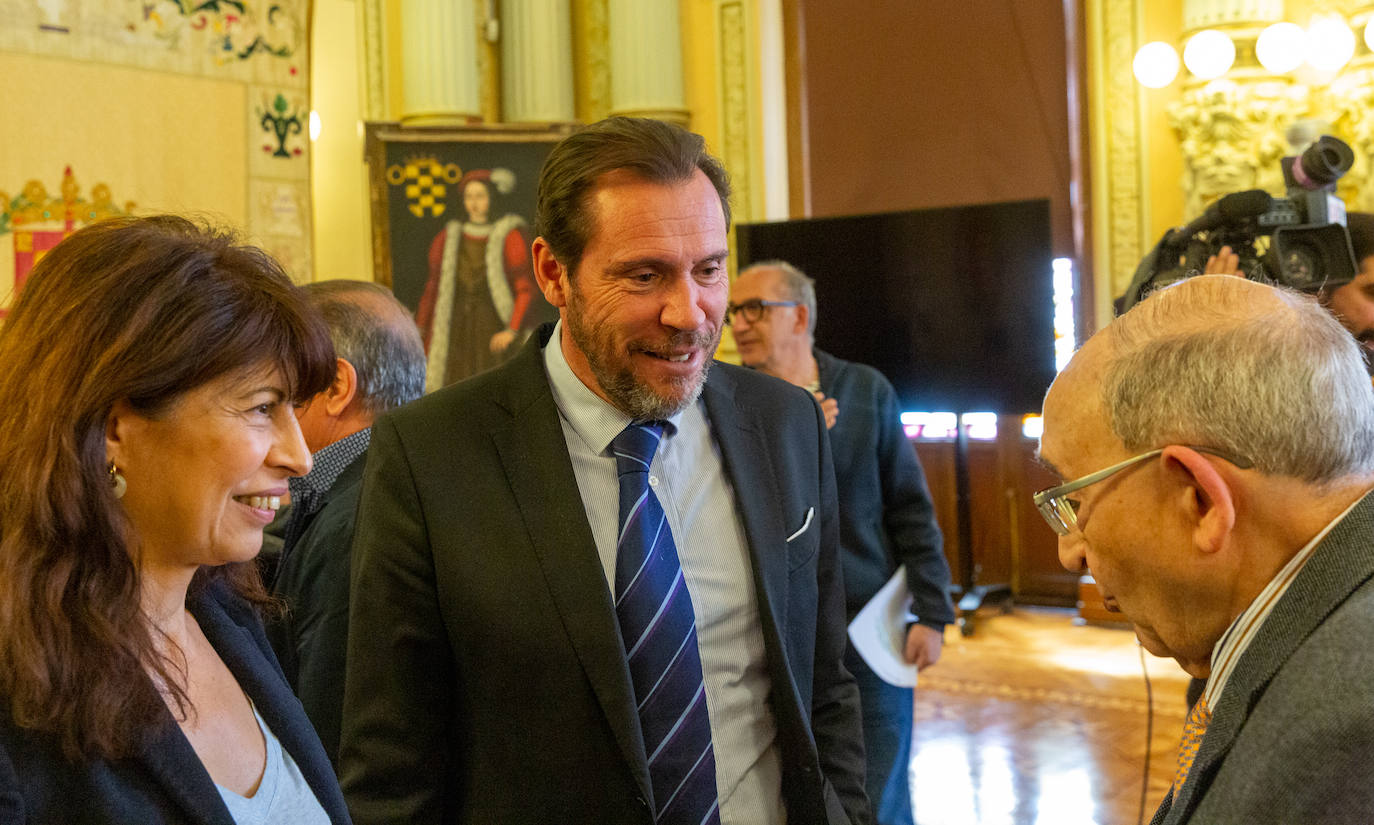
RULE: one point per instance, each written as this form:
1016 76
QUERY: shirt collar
593 418
329 464
1228 649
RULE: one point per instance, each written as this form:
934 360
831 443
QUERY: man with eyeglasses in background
1218 442
886 515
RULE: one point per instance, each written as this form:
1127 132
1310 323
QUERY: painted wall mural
261 145
37 220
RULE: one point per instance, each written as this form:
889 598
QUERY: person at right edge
595 585
886 515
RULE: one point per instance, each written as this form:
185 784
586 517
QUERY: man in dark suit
380 366
886 516
504 664
1220 438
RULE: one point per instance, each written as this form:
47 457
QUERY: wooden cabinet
1010 542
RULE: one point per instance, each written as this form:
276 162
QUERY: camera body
1299 241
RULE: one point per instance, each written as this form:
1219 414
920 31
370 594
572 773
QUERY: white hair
1253 370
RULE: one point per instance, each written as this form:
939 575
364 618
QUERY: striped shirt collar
1242 632
593 418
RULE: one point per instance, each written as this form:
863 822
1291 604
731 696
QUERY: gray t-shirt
283 797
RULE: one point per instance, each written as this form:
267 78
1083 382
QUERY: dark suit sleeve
321 626
835 719
909 516
396 745
11 799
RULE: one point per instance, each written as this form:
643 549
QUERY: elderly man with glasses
1219 445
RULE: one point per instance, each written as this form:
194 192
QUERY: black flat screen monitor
954 305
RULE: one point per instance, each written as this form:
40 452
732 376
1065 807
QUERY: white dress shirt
689 479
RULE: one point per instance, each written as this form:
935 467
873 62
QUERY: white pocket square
810 513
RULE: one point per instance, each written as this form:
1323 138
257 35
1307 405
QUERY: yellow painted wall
338 175
701 68
1163 173
167 142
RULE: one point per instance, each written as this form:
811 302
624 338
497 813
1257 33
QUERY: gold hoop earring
117 483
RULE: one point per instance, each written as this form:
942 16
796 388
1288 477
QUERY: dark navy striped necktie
659 629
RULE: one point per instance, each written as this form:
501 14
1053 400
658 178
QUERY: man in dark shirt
381 365
886 516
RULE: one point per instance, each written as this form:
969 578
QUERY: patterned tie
659 629
1193 729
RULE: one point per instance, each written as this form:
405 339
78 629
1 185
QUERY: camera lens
1325 161
1300 266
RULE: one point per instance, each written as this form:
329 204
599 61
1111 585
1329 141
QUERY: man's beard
626 392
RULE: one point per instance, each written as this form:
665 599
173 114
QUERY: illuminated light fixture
1330 42
1064 333
930 425
1209 54
1032 427
314 125
981 426
1155 65
1282 47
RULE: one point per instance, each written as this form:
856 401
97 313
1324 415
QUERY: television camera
1299 241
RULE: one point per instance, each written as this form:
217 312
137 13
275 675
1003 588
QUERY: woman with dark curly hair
147 377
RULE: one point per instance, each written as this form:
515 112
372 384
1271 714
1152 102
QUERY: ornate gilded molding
1120 126
1354 107
734 115
375 103
1232 136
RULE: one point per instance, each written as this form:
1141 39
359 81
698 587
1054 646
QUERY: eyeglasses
1062 513
753 310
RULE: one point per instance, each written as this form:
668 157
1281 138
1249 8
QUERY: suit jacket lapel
169 755
1339 565
264 684
749 467
535 457
172 761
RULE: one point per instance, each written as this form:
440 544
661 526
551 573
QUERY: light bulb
1209 54
1330 42
1281 47
1155 65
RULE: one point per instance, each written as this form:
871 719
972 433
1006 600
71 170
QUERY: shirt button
653 481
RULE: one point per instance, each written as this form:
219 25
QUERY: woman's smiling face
207 474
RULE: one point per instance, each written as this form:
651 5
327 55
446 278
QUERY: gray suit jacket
1292 738
486 676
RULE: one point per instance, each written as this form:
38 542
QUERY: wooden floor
1039 720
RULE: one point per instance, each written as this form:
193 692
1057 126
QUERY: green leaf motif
280 104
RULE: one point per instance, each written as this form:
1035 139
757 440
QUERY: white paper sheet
879 632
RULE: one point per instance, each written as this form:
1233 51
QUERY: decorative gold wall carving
734 88
375 103
1354 110
1232 136
1120 196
